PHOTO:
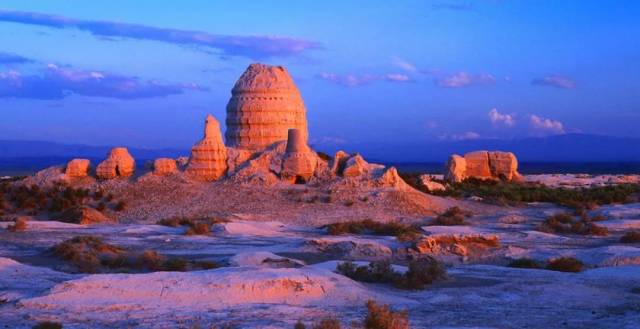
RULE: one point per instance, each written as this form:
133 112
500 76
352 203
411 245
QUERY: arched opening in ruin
300 180
117 171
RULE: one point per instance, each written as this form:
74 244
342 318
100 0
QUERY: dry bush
151 259
199 228
101 206
175 265
420 273
375 272
18 198
565 264
524 263
403 232
453 216
631 237
383 317
565 223
195 225
327 323
206 264
299 325
120 206
19 225
47 325
88 253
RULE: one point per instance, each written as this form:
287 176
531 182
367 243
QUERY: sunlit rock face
78 168
299 161
264 105
208 160
164 167
119 163
483 165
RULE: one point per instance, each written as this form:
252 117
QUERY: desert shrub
514 193
195 225
97 195
206 264
421 272
404 232
375 272
199 228
19 225
631 237
349 203
101 206
524 263
120 206
88 253
565 223
453 216
34 199
299 325
565 264
383 317
151 259
327 323
175 265
47 325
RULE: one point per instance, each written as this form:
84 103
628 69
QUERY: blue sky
145 73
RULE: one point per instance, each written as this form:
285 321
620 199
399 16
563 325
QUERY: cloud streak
557 81
453 6
254 47
6 58
60 82
464 79
351 80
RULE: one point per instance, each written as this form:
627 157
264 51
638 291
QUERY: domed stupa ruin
264 105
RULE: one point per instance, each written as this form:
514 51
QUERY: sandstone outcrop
299 162
355 166
164 167
77 168
339 161
264 105
208 160
483 165
432 186
119 163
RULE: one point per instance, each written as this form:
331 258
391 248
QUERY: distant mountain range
26 156
559 148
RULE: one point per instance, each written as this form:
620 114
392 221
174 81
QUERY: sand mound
202 290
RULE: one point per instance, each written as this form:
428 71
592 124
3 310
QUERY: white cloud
545 125
403 64
464 79
352 80
464 136
498 118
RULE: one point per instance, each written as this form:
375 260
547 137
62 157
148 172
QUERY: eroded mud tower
264 105
119 163
299 162
208 160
